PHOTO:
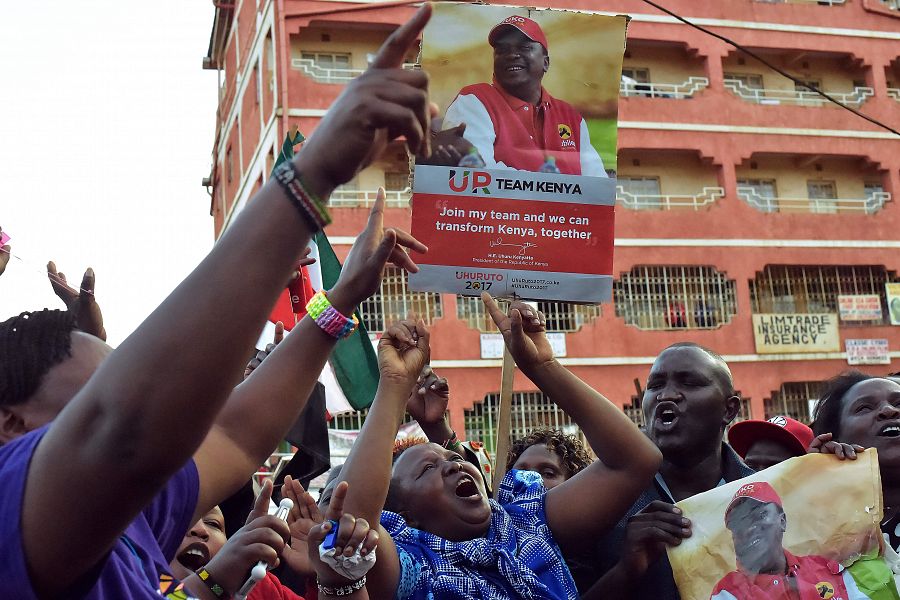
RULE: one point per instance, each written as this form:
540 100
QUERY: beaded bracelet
311 208
217 590
452 443
329 319
345 590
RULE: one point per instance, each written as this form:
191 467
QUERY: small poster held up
868 352
864 307
518 197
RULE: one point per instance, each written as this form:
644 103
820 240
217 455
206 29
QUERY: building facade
740 192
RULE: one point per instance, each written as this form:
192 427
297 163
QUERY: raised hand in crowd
5 253
825 444
304 516
353 534
277 337
149 415
427 404
80 302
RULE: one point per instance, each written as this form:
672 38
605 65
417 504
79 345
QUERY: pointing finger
392 52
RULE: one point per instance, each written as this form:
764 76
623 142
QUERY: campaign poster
862 307
892 291
790 333
518 197
868 352
806 528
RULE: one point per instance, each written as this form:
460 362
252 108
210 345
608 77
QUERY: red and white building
740 192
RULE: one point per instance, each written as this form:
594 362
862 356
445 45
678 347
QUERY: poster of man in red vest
508 118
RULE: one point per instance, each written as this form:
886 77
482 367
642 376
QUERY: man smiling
757 523
514 122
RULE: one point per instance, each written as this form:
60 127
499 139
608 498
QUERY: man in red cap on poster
766 570
514 123
763 444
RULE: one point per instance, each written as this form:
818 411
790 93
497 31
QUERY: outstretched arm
402 352
585 505
148 414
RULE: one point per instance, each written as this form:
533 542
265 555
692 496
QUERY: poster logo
565 132
480 181
825 589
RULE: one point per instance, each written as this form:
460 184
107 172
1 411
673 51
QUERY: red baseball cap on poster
525 25
760 491
788 432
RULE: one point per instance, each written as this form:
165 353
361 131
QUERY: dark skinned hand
427 403
824 444
80 302
403 352
648 533
524 332
262 354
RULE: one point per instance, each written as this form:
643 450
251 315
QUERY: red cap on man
530 28
760 491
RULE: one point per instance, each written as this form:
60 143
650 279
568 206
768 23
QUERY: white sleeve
723 595
468 109
591 163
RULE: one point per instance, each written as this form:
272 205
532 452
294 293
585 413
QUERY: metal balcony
678 91
796 97
353 198
708 196
868 205
328 75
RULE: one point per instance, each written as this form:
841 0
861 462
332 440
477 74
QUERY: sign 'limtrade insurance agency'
778 334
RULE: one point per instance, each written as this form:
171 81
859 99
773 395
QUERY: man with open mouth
757 522
514 122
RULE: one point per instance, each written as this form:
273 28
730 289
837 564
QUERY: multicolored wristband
312 209
217 590
329 319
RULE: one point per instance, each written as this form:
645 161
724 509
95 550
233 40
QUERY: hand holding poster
516 198
791 531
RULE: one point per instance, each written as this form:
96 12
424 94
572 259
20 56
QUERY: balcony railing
329 75
668 201
353 198
868 205
894 93
798 97
820 2
678 91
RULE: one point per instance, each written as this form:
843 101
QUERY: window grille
530 411
353 420
654 297
393 302
795 399
561 316
810 289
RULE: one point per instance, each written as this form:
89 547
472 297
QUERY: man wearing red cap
766 570
763 444
514 123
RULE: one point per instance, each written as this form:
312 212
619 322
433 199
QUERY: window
258 83
328 60
761 194
655 297
640 193
636 81
393 302
795 399
810 289
396 181
753 82
530 411
638 74
229 165
822 196
561 316
872 188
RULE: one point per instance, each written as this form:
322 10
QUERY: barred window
328 60
530 411
393 302
795 399
641 193
764 189
561 316
635 411
655 297
810 289
353 420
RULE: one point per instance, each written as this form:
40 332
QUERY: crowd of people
113 462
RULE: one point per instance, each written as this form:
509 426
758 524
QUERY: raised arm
402 352
262 408
146 413
594 499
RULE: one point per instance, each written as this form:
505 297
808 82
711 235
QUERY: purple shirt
137 566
